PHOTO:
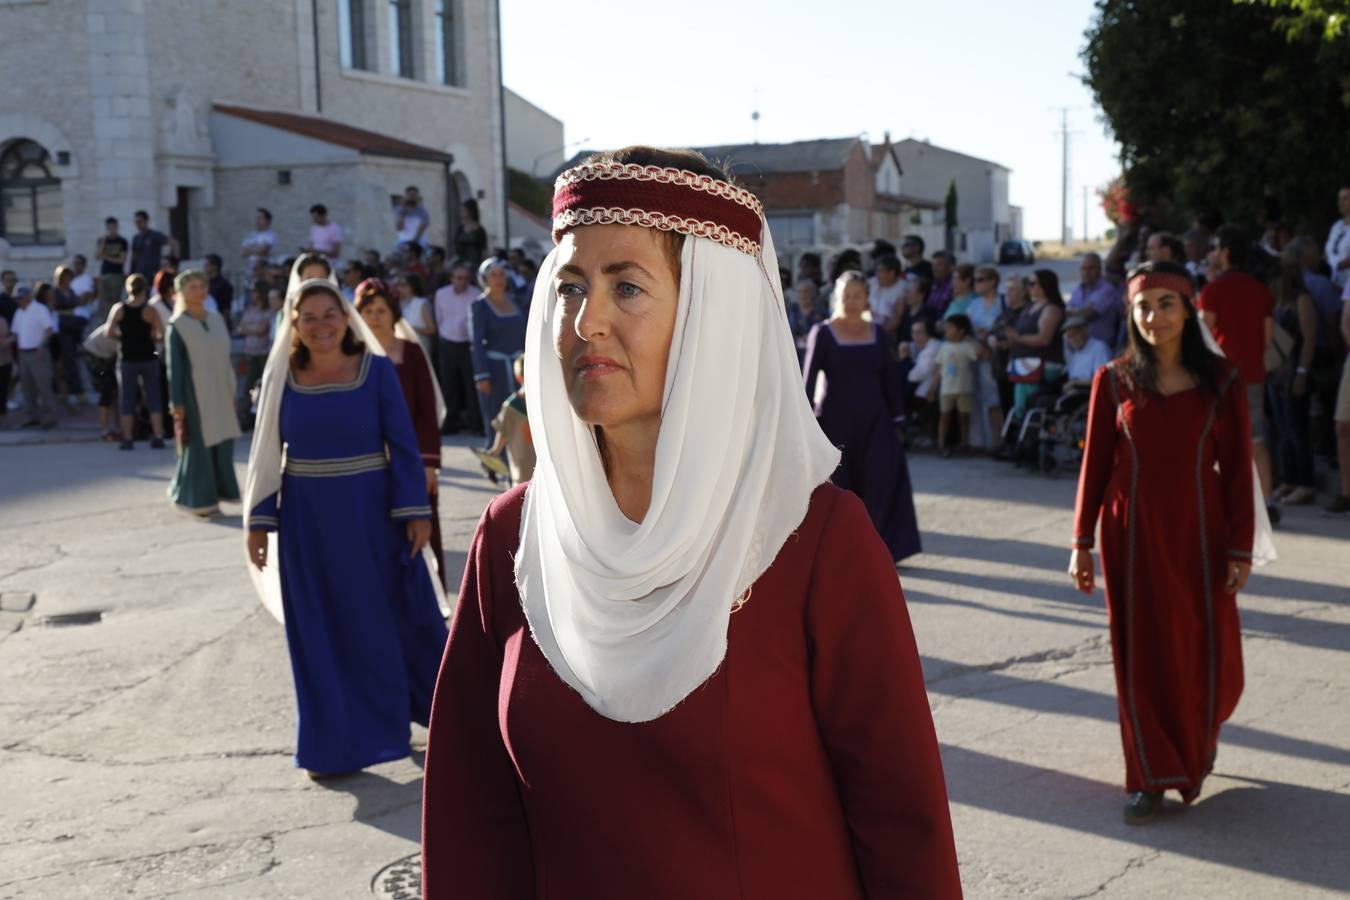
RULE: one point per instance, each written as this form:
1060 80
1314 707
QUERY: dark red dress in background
806 766
414 376
1171 522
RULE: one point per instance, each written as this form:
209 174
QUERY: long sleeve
475 841
892 379
263 517
815 361
1233 435
422 406
177 367
1099 457
871 707
407 479
478 337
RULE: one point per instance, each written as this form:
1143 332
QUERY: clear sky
983 78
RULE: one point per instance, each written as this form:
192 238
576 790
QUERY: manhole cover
400 880
82 617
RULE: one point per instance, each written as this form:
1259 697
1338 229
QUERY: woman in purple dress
851 379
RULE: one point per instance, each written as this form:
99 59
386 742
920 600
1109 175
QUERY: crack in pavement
208 756
1135 862
112 695
267 839
1052 655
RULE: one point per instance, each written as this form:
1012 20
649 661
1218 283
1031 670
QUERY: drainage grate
81 617
400 880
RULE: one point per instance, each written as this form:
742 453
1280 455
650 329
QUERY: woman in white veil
679 612
336 517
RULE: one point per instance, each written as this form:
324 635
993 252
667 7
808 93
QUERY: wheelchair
1050 434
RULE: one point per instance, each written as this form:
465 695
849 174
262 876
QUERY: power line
1064 134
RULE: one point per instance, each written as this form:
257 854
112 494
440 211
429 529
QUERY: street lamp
534 166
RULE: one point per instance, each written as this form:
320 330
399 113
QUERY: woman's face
379 316
854 300
1017 292
914 294
617 299
404 289
320 322
495 280
313 270
1037 292
194 292
274 299
1160 315
961 284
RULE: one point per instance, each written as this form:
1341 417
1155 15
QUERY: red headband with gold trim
655 197
1145 281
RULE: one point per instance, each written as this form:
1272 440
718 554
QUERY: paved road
148 754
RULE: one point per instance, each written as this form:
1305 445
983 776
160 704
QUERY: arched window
30 196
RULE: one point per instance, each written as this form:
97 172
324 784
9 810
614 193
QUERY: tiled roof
371 143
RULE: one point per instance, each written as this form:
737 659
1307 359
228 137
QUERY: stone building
199 112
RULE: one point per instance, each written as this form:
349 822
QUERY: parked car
1016 252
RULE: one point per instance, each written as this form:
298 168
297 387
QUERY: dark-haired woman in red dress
414 375
1168 467
681 664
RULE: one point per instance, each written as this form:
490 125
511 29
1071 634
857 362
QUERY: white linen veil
634 616
264 458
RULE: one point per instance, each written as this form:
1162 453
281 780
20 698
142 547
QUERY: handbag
1277 352
1026 370
99 344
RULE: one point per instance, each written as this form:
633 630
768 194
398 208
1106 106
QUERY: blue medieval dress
856 393
496 341
362 622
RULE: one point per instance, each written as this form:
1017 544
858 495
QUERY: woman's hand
256 542
419 534
433 479
1081 570
484 387
1237 576
1300 388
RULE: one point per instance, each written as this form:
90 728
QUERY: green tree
1329 18
1223 105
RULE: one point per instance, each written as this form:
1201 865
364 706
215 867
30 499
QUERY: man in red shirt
1239 311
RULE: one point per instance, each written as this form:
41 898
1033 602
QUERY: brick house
827 194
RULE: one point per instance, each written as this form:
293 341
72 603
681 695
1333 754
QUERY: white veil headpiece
264 458
634 616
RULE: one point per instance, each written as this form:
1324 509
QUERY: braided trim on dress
633 172
662 221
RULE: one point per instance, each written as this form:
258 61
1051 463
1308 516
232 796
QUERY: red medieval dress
806 766
1172 479
414 376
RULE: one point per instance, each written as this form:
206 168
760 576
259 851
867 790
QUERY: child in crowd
956 360
512 425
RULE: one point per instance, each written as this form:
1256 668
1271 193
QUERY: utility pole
1064 134
1085 211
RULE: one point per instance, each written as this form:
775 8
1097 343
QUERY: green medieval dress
205 472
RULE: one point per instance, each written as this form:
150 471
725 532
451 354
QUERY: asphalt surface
147 751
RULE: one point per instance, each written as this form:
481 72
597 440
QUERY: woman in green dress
201 389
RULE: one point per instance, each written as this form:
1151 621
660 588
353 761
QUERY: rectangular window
352 33
400 39
448 54
793 230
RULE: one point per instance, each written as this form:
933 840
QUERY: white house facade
165 106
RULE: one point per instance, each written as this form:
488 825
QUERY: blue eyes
626 290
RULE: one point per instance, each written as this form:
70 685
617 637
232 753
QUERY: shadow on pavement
390 806
1276 829
915 596
1063 699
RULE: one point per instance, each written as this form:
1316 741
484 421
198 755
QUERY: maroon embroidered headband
655 197
1145 281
